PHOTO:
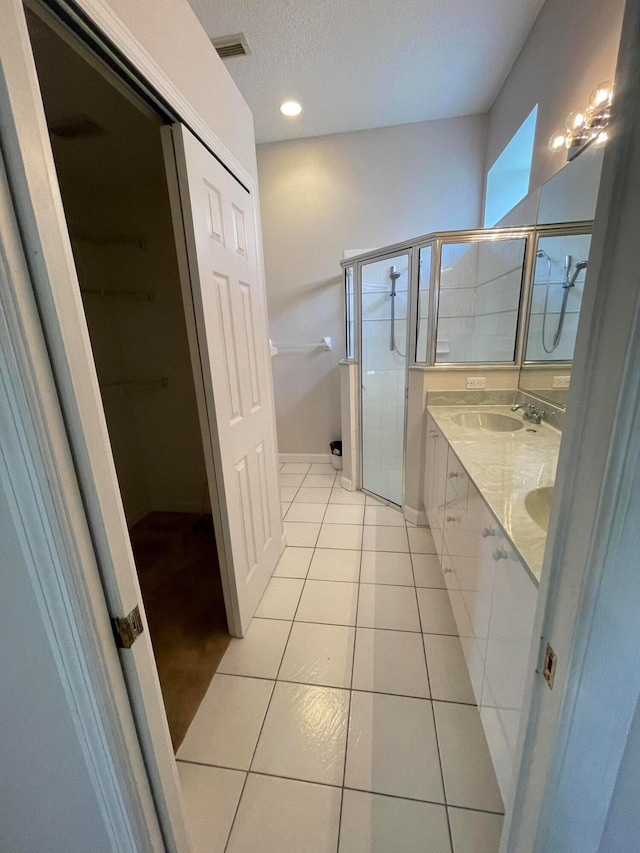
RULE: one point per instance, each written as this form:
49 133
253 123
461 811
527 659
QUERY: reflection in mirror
556 296
571 194
548 381
559 274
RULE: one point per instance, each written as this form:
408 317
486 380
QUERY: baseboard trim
347 484
306 458
137 516
415 516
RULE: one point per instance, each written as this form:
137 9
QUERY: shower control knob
488 531
499 554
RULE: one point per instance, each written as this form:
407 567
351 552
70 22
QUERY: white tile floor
344 722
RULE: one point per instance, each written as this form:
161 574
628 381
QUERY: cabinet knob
452 518
488 531
499 554
448 570
433 433
453 475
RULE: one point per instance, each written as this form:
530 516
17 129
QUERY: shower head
542 254
394 275
581 265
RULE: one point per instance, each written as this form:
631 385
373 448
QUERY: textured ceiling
357 64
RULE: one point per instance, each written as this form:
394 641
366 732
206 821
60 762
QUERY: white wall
176 41
622 828
359 190
47 800
572 47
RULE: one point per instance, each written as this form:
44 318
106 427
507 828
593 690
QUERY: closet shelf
138 295
135 385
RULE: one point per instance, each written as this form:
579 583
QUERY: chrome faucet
529 412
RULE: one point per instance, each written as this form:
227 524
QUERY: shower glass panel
556 296
424 287
383 375
479 300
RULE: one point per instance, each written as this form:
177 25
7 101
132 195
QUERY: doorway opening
110 167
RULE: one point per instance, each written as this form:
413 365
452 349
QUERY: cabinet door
475 576
510 635
435 483
431 440
454 522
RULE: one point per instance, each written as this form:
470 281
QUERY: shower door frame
406 249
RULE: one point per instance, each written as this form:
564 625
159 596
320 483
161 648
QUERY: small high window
508 178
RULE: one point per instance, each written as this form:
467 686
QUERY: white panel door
230 312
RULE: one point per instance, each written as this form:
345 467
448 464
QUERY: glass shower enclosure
384 305
443 301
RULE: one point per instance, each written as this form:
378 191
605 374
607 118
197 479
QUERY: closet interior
108 154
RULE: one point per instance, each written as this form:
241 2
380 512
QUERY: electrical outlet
474 382
561 381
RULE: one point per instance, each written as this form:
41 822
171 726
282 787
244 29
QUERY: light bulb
575 121
290 109
601 138
601 95
557 141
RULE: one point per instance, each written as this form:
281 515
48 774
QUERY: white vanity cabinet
510 634
492 595
435 480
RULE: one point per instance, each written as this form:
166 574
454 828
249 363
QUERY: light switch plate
474 382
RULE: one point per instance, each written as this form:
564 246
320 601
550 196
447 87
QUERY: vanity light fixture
586 126
290 109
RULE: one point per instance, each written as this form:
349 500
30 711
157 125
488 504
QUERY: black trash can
336 454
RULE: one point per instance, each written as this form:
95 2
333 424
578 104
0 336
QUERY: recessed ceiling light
290 108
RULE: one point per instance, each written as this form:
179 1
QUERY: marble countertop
505 466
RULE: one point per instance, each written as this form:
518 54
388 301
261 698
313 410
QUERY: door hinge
128 628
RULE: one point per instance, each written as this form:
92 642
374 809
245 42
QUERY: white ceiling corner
358 64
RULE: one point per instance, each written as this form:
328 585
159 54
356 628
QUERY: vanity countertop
505 466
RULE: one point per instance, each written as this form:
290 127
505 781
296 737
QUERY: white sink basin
489 421
538 505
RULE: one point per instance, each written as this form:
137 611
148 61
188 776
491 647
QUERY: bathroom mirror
569 197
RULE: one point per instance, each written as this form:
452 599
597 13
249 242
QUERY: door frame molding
55 361
590 568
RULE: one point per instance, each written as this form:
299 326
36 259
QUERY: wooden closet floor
179 575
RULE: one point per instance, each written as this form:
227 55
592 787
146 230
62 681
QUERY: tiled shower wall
479 300
383 379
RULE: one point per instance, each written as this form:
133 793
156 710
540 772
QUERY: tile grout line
433 714
339 787
343 625
315 548
275 681
353 689
346 741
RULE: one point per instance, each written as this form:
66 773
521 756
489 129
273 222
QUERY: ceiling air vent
79 127
235 45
